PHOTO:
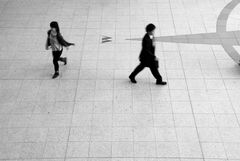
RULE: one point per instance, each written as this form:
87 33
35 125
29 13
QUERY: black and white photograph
120 80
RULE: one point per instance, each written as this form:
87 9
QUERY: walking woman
147 57
56 41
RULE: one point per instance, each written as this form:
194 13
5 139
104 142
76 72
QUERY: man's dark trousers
153 69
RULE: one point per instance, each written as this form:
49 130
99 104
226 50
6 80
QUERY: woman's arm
47 44
48 40
64 42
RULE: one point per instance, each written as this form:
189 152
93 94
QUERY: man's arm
147 45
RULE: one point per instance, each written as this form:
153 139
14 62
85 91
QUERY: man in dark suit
147 57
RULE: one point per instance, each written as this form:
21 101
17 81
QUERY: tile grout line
172 112
200 146
95 88
32 114
229 99
132 100
113 88
75 97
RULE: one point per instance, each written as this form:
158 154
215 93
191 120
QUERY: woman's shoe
65 60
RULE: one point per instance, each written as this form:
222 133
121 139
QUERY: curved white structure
222 37
222 29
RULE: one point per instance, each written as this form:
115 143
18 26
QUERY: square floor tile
55 149
190 150
232 150
122 149
122 134
213 150
209 135
144 149
80 134
100 149
77 149
167 149
187 135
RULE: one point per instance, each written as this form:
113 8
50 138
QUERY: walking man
147 57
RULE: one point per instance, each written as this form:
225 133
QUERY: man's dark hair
54 24
150 27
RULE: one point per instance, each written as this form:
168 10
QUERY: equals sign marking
106 39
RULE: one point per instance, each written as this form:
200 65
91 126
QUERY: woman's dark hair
54 24
150 27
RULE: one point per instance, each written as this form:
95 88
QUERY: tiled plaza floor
92 112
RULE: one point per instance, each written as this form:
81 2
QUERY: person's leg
62 59
137 70
157 75
56 56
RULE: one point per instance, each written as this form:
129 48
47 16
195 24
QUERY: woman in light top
56 41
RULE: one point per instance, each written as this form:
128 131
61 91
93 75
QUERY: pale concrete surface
92 112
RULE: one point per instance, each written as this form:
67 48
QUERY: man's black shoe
161 83
55 75
132 79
